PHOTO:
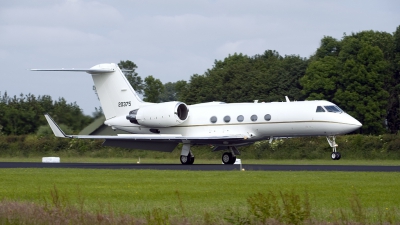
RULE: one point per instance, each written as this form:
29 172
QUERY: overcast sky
170 40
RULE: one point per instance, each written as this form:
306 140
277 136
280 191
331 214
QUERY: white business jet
162 126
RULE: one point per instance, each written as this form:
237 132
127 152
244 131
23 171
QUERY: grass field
136 192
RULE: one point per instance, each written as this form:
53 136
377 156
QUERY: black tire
333 156
228 158
233 160
187 160
191 160
338 155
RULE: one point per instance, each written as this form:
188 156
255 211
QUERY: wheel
336 155
184 159
228 158
187 159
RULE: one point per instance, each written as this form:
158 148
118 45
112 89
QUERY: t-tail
117 97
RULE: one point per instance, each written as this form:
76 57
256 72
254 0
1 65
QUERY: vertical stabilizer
116 95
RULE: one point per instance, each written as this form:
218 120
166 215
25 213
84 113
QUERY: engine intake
165 114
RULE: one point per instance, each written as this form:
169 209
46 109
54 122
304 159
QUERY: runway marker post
50 159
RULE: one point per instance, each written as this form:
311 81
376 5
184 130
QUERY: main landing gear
332 142
187 157
230 157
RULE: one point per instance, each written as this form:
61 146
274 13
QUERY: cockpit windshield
320 109
333 108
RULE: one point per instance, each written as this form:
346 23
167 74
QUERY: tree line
360 72
23 114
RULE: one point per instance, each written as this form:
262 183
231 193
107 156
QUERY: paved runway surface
202 167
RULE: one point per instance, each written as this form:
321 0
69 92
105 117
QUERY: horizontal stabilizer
91 71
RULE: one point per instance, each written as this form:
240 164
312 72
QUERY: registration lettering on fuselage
124 104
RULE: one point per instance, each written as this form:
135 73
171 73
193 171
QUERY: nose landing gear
332 142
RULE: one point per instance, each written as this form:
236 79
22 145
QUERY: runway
202 167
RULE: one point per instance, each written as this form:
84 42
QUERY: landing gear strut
332 142
187 157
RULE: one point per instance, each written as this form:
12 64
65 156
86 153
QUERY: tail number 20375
124 104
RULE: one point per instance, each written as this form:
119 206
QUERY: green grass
343 161
136 192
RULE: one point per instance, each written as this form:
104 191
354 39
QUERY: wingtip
54 127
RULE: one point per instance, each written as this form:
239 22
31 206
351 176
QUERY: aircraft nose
350 124
358 123
355 122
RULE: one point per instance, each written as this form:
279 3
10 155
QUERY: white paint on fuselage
288 119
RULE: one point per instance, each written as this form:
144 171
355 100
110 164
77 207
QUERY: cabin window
332 108
240 118
254 118
267 117
227 119
320 109
213 119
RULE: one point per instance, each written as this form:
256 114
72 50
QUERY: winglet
54 127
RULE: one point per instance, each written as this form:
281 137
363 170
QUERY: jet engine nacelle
165 114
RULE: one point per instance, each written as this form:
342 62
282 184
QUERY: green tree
353 73
169 93
180 89
240 78
329 46
173 90
197 90
152 89
134 79
70 114
393 85
24 114
321 78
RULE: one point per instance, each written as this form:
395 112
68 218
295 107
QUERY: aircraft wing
156 142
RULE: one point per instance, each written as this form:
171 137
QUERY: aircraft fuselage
256 121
